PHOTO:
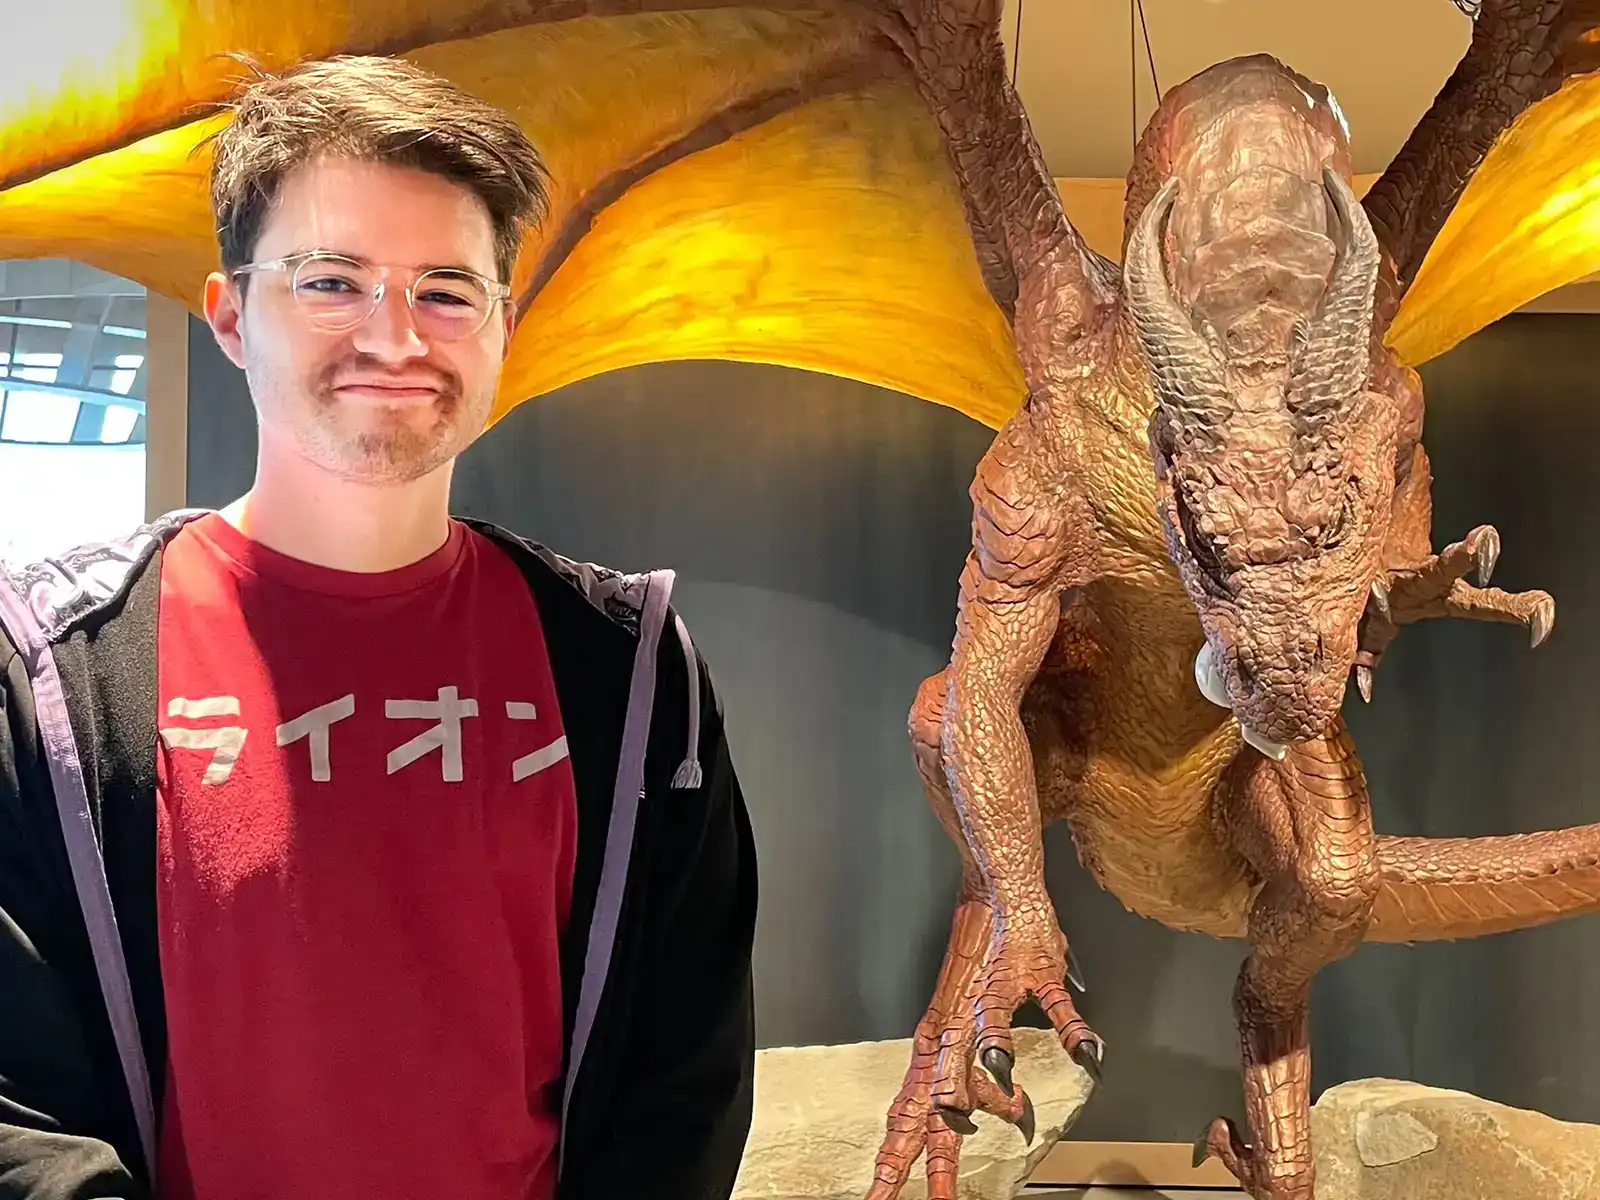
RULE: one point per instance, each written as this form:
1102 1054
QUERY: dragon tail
1442 889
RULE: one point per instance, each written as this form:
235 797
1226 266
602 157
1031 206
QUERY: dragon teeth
1273 750
1209 676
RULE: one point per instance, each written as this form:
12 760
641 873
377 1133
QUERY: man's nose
390 333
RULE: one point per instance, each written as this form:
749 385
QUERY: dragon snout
1208 674
1277 709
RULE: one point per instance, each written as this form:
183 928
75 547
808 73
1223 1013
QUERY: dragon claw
1026 1122
1090 1055
959 1121
1220 1140
1452 583
1543 621
964 1062
1075 972
998 1063
1380 598
1486 554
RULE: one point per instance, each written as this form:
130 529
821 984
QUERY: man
348 850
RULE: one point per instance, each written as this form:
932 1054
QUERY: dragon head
1275 461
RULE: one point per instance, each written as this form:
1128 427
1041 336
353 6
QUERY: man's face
382 402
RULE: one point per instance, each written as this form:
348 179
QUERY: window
72 397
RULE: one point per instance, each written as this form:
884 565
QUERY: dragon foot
1221 1140
1439 586
966 1025
1028 961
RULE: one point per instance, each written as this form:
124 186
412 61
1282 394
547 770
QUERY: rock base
820 1110
1379 1139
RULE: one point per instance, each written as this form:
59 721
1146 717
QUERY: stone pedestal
1378 1139
819 1119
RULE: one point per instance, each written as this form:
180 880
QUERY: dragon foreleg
1305 826
921 1121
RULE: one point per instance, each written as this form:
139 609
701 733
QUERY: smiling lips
391 391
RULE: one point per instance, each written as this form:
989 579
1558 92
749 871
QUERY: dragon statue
1211 511
1207 506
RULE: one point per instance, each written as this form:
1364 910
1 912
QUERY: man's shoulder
584 606
65 588
619 596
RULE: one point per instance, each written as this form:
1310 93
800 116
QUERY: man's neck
307 514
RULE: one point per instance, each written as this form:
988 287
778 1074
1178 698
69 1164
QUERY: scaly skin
1216 451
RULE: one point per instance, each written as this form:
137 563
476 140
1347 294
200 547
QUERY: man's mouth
1209 676
390 393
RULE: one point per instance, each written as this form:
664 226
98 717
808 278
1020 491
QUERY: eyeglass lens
336 293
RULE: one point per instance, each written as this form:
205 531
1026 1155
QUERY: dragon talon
1364 683
1487 554
1026 1123
1220 1140
957 1120
998 1063
1075 972
1380 598
1090 1055
1544 619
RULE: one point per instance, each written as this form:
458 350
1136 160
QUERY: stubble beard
378 445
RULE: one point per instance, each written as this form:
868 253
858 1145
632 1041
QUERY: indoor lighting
41 322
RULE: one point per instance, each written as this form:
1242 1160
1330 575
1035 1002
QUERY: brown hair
371 109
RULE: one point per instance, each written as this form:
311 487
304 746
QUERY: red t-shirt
365 835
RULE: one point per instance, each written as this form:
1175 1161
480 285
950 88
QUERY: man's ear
509 317
224 309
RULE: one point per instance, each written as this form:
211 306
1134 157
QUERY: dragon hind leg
1306 826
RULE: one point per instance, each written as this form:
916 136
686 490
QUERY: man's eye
327 283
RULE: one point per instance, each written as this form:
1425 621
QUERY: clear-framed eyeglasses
335 293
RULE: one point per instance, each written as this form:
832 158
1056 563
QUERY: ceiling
1383 59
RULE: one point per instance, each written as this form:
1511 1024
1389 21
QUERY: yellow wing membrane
830 238
98 74
1527 223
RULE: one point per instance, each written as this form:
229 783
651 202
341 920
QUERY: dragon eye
1339 527
1200 546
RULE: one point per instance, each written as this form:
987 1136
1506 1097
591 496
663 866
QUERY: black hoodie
658 1029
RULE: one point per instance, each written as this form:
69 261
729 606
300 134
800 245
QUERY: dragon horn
1188 377
1332 363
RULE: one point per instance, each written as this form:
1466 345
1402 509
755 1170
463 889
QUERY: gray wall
818 527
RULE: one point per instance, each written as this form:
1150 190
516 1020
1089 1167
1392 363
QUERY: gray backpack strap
83 852
619 835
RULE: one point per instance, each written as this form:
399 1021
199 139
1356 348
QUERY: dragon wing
738 183
1471 235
